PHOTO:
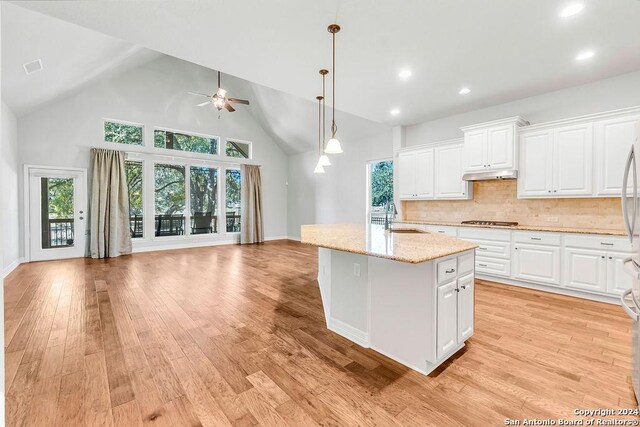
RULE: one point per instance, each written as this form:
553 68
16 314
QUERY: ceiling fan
219 99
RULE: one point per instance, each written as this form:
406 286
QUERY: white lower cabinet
585 269
493 266
447 319
465 307
537 263
618 280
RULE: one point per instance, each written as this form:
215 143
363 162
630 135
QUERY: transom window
185 142
238 149
123 133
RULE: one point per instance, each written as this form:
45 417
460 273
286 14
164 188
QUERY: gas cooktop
494 223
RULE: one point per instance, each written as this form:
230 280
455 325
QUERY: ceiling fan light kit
219 99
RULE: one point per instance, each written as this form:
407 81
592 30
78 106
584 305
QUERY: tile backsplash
498 201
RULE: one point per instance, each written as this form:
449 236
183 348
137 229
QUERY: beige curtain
252 228
110 235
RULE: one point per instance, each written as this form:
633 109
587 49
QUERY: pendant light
319 167
324 159
333 145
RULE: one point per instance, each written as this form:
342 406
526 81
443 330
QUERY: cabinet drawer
447 270
551 239
493 249
443 229
493 267
465 264
605 243
473 233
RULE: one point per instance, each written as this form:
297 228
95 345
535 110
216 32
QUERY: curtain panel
110 235
252 228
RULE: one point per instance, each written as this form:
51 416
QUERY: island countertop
373 240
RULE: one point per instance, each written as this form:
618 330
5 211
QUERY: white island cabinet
408 296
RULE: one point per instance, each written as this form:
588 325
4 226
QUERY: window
184 142
233 200
380 189
57 212
169 199
203 183
134 184
238 149
123 133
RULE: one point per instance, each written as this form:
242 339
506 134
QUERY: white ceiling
72 56
502 49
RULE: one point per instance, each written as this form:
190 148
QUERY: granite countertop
373 240
600 231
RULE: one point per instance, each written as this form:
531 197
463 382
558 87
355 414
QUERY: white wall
155 94
339 195
603 95
9 174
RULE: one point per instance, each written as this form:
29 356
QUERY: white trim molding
9 269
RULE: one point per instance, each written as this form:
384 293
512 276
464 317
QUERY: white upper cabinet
612 141
573 160
432 172
536 174
491 146
424 173
449 183
406 175
581 157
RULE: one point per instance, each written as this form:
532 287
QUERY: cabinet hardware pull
483 248
449 271
610 257
536 238
440 231
555 191
602 256
457 290
606 244
464 286
482 265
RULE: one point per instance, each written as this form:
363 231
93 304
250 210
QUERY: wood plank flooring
234 335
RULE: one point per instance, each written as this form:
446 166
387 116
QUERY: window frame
187 196
106 120
201 135
226 168
242 141
368 171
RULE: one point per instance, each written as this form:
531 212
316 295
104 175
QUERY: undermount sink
406 230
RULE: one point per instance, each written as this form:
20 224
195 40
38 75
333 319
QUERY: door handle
631 311
625 180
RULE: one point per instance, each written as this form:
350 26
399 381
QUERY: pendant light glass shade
319 168
333 147
324 160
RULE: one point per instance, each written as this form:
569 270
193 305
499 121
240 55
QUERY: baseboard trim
552 289
9 269
349 332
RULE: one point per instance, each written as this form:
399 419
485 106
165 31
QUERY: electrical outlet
552 219
356 269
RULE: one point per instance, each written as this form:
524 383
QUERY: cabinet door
573 161
447 318
465 308
500 146
585 269
449 183
406 175
475 150
536 172
618 280
612 141
424 173
537 263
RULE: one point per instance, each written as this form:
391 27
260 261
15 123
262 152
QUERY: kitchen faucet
387 209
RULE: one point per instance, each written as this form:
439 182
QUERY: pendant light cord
324 111
334 127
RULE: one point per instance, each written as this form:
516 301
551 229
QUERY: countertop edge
541 228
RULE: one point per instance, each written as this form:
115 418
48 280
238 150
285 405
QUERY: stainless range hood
485 176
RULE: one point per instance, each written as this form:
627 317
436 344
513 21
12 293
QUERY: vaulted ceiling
501 49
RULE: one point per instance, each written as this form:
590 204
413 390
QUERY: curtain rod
181 158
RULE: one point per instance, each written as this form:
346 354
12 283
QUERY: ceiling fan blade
229 107
199 94
203 104
239 101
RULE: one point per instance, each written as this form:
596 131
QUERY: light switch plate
356 269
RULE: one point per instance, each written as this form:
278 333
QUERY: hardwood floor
236 335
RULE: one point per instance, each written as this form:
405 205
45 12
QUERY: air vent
32 67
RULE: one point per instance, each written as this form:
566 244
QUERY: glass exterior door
57 214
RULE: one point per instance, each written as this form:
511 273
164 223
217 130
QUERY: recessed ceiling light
394 112
464 91
32 67
572 9
405 73
585 55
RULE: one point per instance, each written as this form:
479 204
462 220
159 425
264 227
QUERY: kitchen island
407 294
